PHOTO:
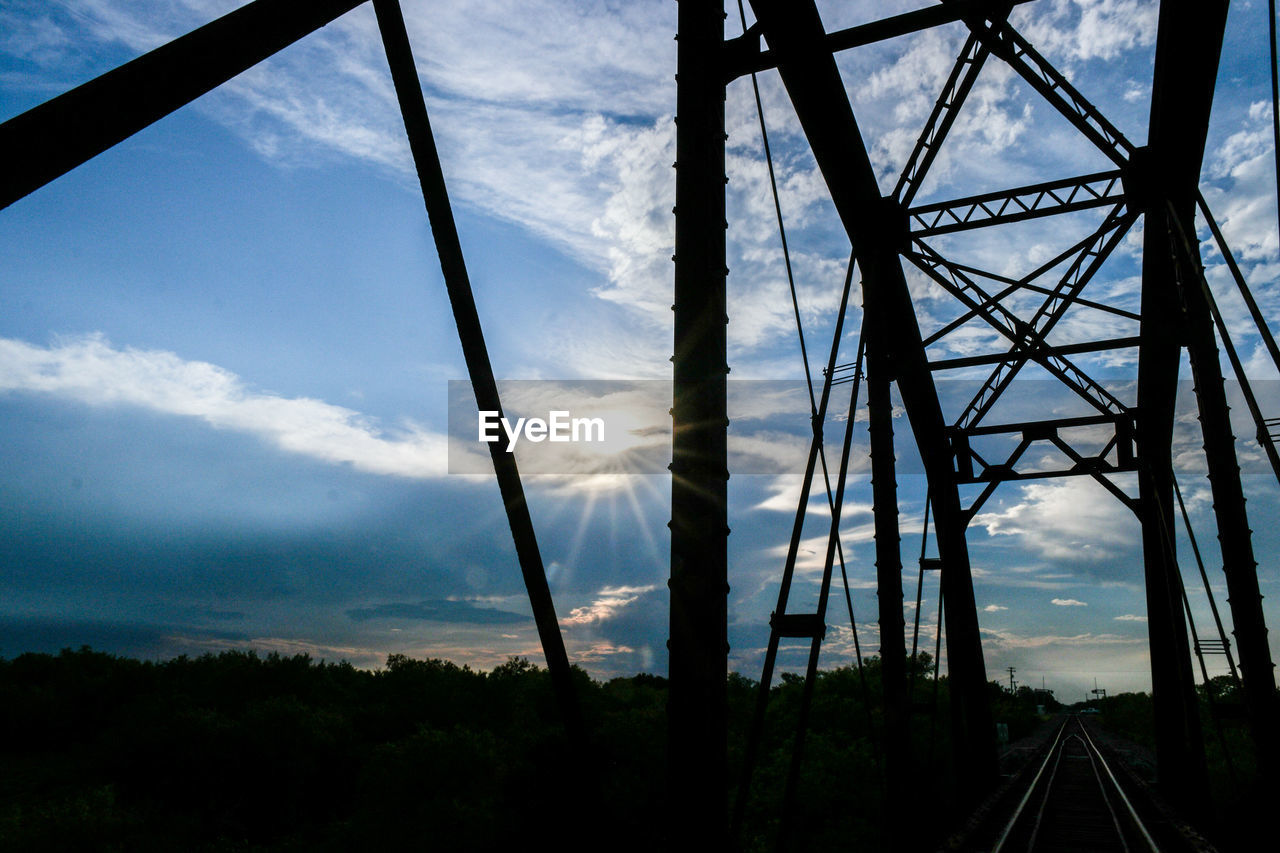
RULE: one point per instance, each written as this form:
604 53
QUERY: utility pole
1012 683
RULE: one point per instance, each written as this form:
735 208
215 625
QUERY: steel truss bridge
1155 181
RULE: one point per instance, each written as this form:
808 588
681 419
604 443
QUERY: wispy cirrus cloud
88 369
1012 640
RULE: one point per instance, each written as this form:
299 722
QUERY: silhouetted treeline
237 751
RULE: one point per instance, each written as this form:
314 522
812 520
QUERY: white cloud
1241 193
552 115
90 370
1068 602
994 608
608 602
1092 29
1074 519
1131 617
557 116
785 497
1010 640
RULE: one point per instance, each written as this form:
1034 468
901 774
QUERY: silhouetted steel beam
992 485
973 55
1095 250
1235 539
884 508
1037 427
52 139
1195 272
1015 205
698 647
745 57
1008 44
1017 331
1033 354
1188 43
794 32
781 623
452 264
1014 285
1264 330
1178 737
1003 473
1095 466
818 628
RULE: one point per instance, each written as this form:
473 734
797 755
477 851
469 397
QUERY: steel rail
1133 813
1022 804
1109 787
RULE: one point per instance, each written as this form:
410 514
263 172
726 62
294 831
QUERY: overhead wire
817 416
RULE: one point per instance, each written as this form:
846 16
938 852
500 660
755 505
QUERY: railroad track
1074 804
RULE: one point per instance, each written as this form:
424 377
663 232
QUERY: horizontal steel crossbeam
1018 204
1033 354
1096 466
743 54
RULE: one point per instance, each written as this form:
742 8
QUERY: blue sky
225 346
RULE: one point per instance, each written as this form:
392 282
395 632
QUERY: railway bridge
1074 798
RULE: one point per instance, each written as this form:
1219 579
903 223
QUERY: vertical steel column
884 505
1235 539
1179 740
1192 35
1188 43
698 647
